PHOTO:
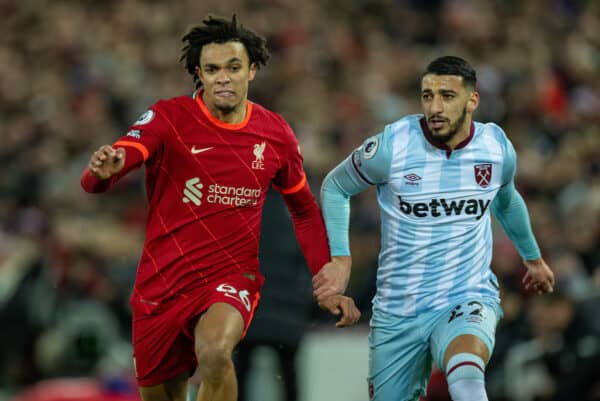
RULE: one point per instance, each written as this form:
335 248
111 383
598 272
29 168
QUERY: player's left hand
333 278
337 304
539 277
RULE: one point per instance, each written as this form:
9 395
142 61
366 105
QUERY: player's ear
252 71
473 101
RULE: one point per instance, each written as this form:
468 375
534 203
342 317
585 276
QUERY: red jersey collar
215 120
443 146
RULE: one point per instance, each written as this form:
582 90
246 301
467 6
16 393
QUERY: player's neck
235 116
463 133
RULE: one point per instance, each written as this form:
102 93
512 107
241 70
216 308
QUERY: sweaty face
225 72
448 106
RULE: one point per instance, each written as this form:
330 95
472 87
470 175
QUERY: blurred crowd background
75 74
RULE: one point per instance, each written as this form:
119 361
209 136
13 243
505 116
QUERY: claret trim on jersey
443 146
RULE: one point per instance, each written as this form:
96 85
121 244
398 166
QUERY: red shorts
163 341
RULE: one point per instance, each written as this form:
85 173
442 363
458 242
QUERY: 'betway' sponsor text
443 207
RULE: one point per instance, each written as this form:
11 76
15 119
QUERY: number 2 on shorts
231 291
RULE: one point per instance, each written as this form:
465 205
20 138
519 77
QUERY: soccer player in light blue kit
438 176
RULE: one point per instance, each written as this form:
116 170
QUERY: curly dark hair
220 30
452 65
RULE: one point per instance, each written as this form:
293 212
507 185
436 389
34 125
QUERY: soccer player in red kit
210 159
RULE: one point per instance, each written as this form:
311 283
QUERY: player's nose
437 106
222 76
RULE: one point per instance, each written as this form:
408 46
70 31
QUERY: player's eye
235 68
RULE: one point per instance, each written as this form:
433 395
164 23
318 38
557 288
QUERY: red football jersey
206 182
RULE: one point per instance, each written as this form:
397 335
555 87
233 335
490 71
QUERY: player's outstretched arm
107 165
368 165
340 304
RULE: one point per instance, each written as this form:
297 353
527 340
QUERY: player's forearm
92 184
336 213
339 185
511 211
343 260
309 228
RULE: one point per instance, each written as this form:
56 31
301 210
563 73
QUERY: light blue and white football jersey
436 237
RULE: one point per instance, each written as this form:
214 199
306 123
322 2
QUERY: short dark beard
454 128
225 109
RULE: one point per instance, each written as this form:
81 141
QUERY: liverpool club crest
258 163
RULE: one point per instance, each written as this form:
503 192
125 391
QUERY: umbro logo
195 150
412 179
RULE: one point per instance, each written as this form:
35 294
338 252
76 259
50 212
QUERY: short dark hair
219 30
452 65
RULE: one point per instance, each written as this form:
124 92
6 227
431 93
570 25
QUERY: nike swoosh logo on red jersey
200 150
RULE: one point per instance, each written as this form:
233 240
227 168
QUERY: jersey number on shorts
476 310
231 291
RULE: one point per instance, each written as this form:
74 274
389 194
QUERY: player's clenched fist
107 161
337 304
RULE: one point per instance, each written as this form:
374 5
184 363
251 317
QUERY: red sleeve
291 182
91 183
309 227
290 177
141 142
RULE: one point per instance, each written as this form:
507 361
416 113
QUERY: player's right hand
337 304
107 161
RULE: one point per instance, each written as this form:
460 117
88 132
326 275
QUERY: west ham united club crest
483 174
